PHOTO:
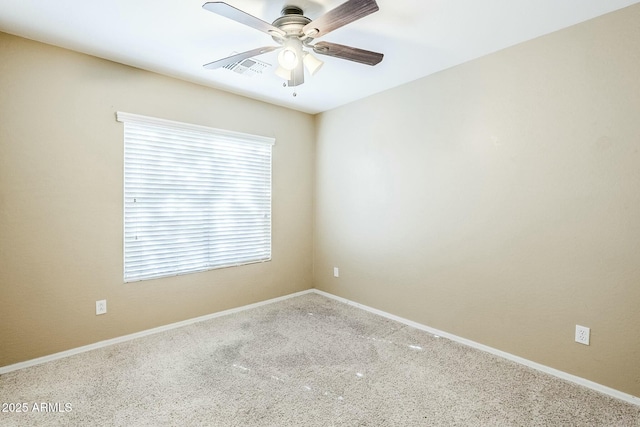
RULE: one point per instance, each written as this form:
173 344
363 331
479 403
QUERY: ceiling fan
293 32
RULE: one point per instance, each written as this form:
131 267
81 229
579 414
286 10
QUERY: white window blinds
195 198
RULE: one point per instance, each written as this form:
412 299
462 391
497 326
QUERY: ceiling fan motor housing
291 22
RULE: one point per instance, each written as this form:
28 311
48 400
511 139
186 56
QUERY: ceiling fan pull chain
284 84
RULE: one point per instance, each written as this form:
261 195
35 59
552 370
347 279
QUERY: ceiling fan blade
297 77
239 57
228 11
342 15
347 52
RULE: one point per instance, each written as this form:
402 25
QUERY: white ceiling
176 37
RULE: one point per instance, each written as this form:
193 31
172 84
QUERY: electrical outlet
582 334
101 306
336 272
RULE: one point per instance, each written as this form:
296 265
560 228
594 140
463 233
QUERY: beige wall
61 166
498 200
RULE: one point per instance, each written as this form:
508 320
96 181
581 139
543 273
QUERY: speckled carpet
305 361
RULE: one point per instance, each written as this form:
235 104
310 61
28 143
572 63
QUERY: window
195 198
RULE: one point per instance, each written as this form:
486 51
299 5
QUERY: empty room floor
304 361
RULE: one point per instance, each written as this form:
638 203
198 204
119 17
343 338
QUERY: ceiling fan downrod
290 10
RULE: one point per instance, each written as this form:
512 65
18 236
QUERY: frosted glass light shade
288 58
312 63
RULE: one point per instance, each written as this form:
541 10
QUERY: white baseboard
546 369
106 343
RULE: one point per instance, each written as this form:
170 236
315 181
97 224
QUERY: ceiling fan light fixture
288 58
312 63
